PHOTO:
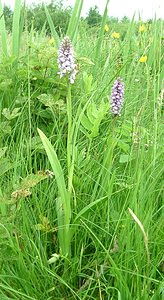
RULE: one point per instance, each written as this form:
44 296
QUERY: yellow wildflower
115 35
143 59
106 28
52 41
142 28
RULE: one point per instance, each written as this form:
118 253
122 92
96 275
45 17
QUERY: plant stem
70 165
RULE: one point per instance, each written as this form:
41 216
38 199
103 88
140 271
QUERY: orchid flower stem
70 165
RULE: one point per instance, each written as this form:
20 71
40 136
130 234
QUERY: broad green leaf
95 115
92 112
86 123
57 169
123 145
63 201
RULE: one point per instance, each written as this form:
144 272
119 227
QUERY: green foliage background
117 162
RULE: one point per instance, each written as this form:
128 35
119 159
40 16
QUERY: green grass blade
3 31
77 22
16 28
63 201
75 18
21 23
101 35
88 207
53 30
57 169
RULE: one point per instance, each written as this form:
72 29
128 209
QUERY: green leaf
5 165
86 123
87 79
45 113
11 115
16 28
5 128
75 19
92 112
123 145
6 84
46 99
63 201
36 143
126 129
57 169
2 151
95 115
125 158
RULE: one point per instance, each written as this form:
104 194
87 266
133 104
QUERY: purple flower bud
66 60
117 96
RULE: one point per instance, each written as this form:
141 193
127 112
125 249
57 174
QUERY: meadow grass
94 228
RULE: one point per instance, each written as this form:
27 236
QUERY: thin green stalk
100 37
29 109
70 166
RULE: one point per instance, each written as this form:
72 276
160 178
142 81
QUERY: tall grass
92 229
3 31
16 33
